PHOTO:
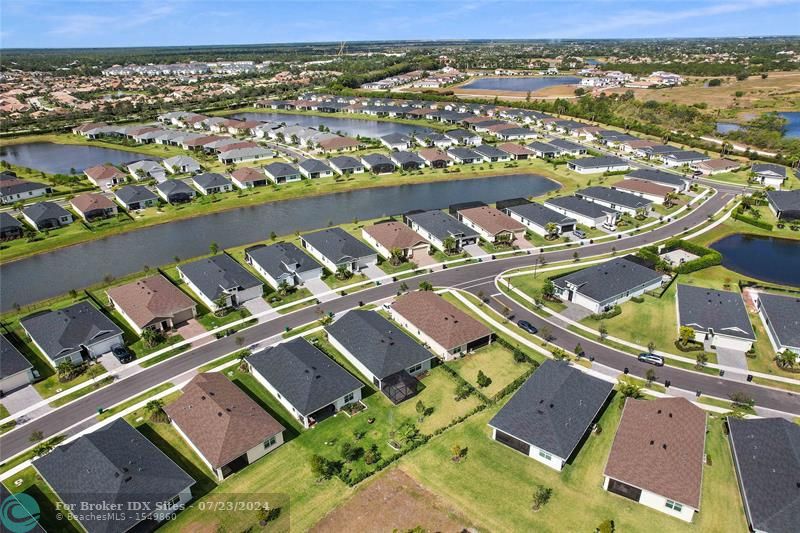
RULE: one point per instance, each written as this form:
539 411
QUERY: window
544 455
349 398
172 502
270 442
415 368
675 506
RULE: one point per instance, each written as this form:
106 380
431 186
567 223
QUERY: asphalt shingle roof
580 206
657 176
614 196
539 214
276 259
441 225
599 162
131 194
608 279
213 275
44 211
314 165
279 170
305 376
377 343
553 408
722 311
211 179
11 360
783 313
338 245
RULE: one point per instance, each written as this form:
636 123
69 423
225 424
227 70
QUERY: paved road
476 275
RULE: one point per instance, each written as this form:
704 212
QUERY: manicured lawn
493 487
496 361
98 384
211 321
8 426
532 284
133 401
51 385
335 283
33 485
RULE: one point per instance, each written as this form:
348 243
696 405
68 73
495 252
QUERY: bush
611 313
752 221
483 380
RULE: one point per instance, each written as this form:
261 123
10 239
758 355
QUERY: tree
349 452
651 347
552 230
421 409
36 436
283 288
559 354
396 256
449 244
155 411
603 330
213 248
786 359
578 350
152 337
545 333
701 360
483 380
541 495
650 375
548 289
629 389
222 305
685 335
343 273
425 286
456 451
65 371
740 400
323 468
607 526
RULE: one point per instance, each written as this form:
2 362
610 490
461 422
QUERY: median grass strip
8 426
97 384
133 401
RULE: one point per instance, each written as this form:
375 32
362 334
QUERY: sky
107 23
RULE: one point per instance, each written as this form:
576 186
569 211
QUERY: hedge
753 222
707 256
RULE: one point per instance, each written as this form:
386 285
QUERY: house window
270 442
172 502
544 455
415 368
349 398
675 506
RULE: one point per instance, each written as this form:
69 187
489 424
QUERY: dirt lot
393 501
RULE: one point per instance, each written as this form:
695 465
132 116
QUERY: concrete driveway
23 398
373 272
318 288
524 244
733 358
575 312
474 250
257 306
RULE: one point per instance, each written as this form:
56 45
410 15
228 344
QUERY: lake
727 127
793 123
765 258
520 84
57 158
349 126
54 273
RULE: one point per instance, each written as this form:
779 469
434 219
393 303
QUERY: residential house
407 160
683 157
551 413
46 215
658 454
492 224
617 200
769 174
248 178
491 154
145 169
766 456
644 189
181 164
339 144
115 468
667 179
781 317
543 150
464 156
175 191
436 140
308 383
211 183
437 227
435 158
378 349
378 164
225 427
388 236
13 190
93 206
15 370
587 213
73 334
220 282
463 137
283 263
567 147
396 141
105 176
445 329
516 151
345 164
252 152
591 165
315 168
135 197
601 287
719 318
538 218
785 204
152 302
709 167
515 134
335 249
655 151
279 173
10 227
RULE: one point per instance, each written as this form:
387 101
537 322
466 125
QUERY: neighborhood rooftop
337 245
707 309
608 279
216 275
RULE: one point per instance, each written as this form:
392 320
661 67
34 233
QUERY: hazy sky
90 23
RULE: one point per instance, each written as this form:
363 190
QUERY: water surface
765 258
521 84
55 158
348 126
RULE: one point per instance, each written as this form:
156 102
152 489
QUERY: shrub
541 495
483 380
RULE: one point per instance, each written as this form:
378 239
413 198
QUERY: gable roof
686 155
433 154
64 331
599 162
11 360
171 187
554 408
770 169
492 220
539 214
248 175
305 376
10 185
394 234
659 447
91 201
215 275
210 180
104 172
314 165
514 149
377 343
44 210
783 313
614 196
344 162
220 419
281 258
463 153
150 300
643 186
440 224
402 157
785 201
580 206
608 279
440 320
114 464
487 150
722 311
376 159
280 170
130 194
766 453
657 176
8 222
337 245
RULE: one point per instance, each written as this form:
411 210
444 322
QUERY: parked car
651 359
122 354
527 326
579 233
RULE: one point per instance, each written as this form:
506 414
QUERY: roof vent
203 397
652 442
670 415
127 479
659 411
664 445
219 413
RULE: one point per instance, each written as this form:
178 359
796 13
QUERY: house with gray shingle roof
537 217
606 163
766 456
719 318
334 248
220 280
548 417
437 226
407 160
378 163
13 189
769 174
781 317
282 172
601 287
308 383
567 147
175 191
283 262
683 157
344 164
588 213
135 197
15 370
47 215
491 154
74 333
785 204
381 351
314 168
396 141
119 468
10 227
212 183
464 156
463 137
678 183
181 163
617 200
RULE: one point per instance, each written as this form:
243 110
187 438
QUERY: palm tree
155 411
786 359
396 256
283 288
449 245
65 370
552 230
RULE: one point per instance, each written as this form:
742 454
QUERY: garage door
512 442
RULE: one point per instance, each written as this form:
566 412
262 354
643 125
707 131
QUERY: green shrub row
753 222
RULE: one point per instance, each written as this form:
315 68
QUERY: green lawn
133 401
48 501
493 487
496 361
8 426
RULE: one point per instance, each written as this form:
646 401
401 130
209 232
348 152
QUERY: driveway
23 398
193 328
575 312
318 288
423 259
373 272
733 358
257 306
524 244
474 250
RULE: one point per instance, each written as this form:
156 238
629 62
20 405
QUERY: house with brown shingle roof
387 236
248 177
715 166
516 151
92 206
339 144
152 302
435 158
492 224
658 454
105 176
448 331
226 427
644 189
